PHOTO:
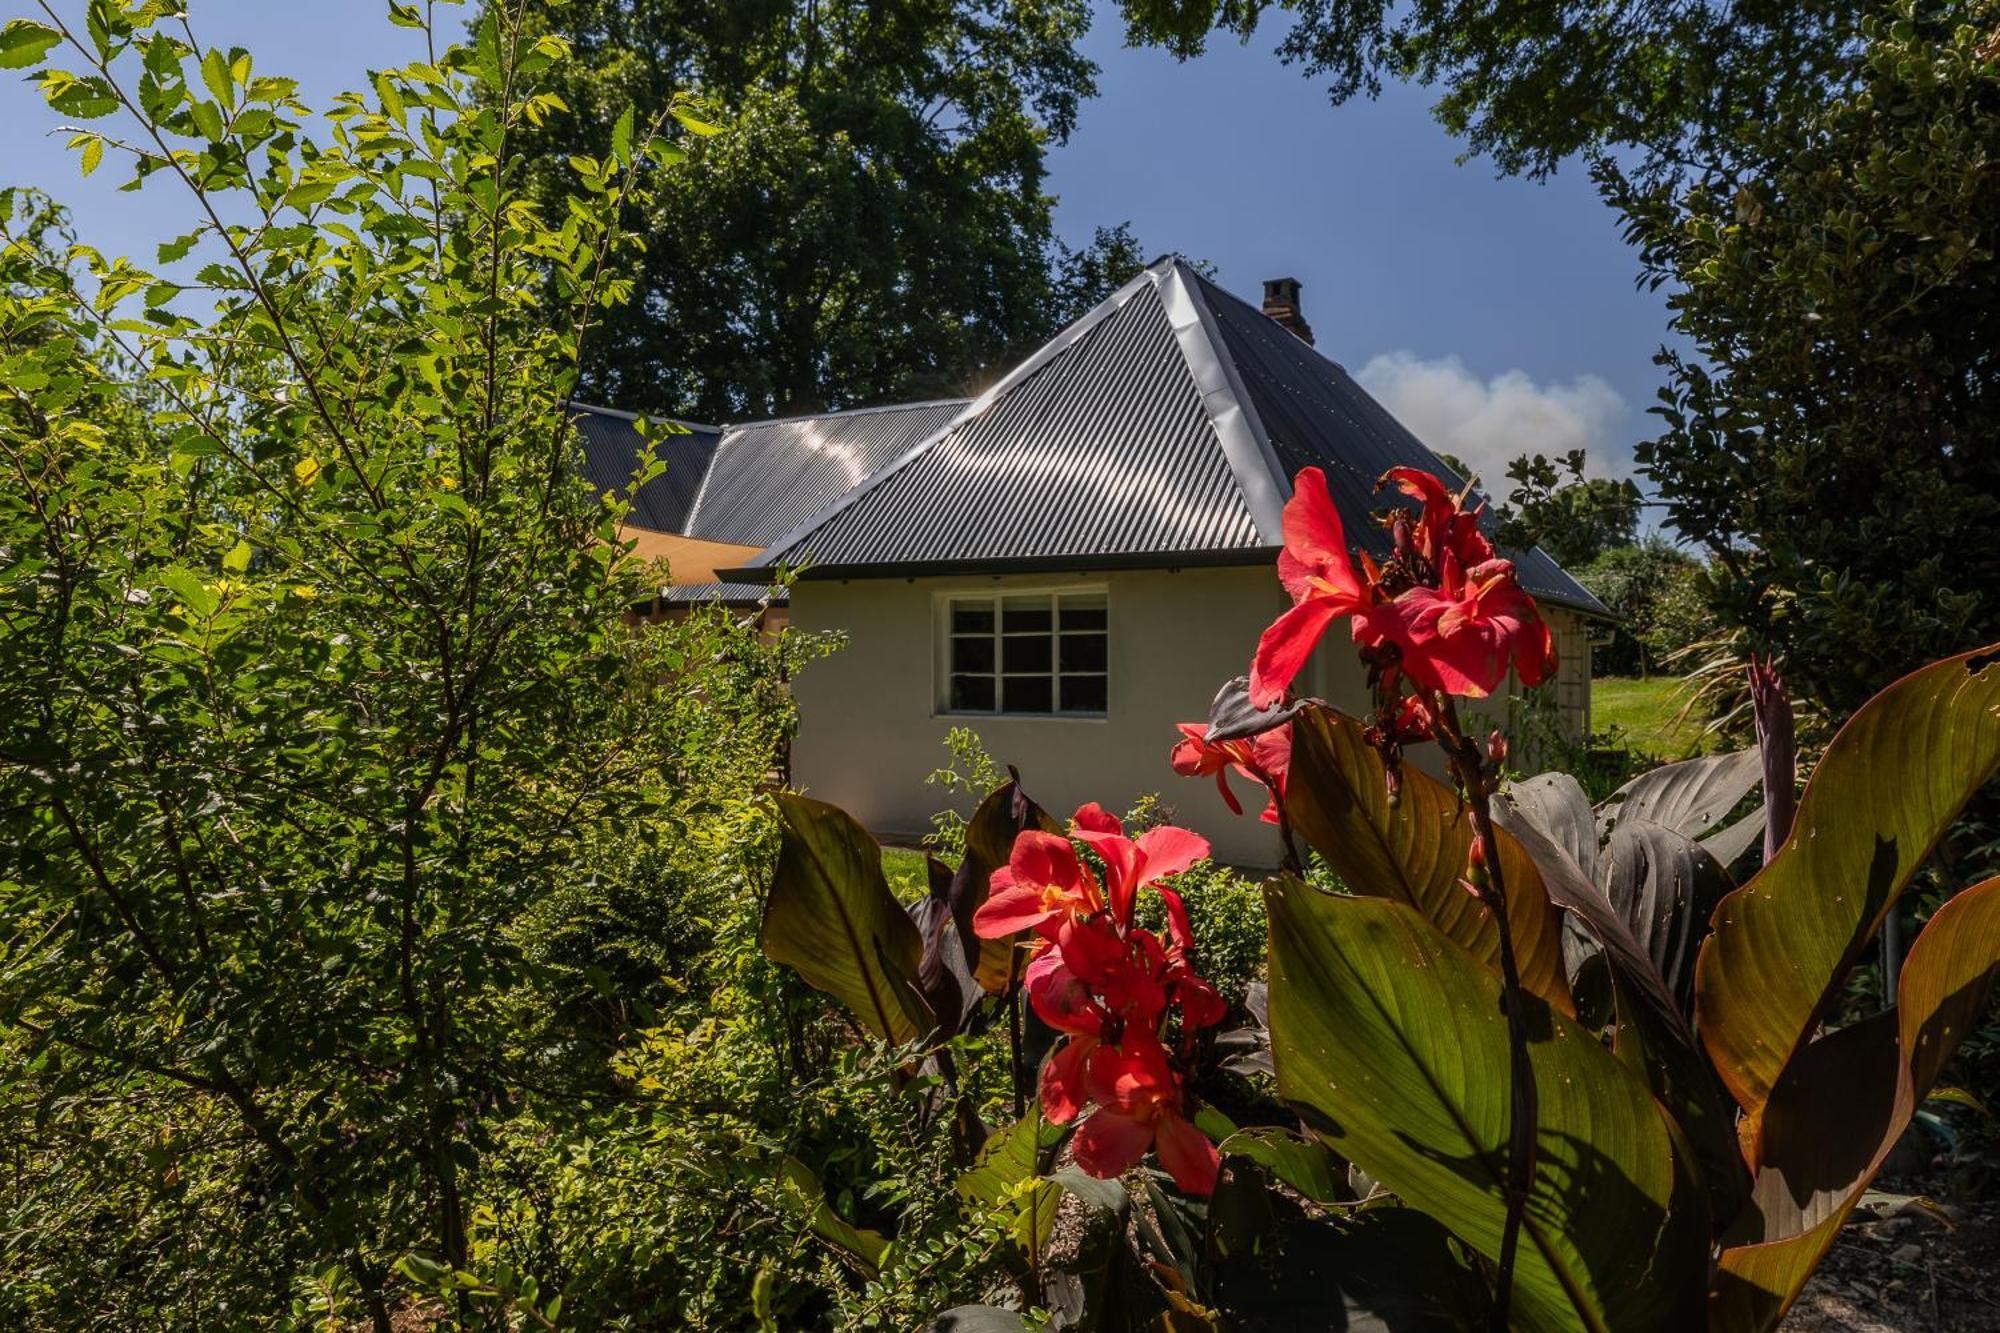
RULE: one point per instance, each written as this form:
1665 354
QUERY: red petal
1094 818
1110 1144
1187 1155
1062 1084
1177 918
1014 908
1314 537
1168 851
1285 646
1228 796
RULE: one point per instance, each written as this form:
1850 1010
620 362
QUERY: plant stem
1474 777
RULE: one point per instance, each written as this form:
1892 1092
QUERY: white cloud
1490 423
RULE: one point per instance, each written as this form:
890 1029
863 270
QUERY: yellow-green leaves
1891 783
24 43
1414 850
1388 1038
831 918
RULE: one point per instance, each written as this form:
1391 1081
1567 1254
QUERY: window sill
1020 717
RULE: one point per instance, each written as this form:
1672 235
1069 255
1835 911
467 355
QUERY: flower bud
1496 748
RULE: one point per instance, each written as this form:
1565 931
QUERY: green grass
904 868
1643 713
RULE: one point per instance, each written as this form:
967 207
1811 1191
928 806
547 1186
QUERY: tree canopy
1831 436
875 225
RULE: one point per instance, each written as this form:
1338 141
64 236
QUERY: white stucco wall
871 730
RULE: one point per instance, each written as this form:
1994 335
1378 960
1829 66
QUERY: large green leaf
1891 783
1842 1105
1388 1038
1010 1179
1653 1035
1413 850
801 1191
831 918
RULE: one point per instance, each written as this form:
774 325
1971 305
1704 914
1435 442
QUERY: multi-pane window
1033 653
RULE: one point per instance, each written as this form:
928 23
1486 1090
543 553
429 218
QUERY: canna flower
1042 885
1319 574
1265 758
1462 636
1139 1107
1132 863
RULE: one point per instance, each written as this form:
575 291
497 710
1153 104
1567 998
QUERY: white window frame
941 614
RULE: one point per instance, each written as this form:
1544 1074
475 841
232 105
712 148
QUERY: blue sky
1492 315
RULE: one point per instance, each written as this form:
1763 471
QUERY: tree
1535 83
1573 517
873 228
1831 436
314 682
1653 589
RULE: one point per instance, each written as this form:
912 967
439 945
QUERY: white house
1070 564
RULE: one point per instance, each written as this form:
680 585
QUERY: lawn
1643 713
904 868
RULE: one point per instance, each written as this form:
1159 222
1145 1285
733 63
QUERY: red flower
1132 863
1139 1107
1445 525
1462 636
1319 574
1265 757
1042 885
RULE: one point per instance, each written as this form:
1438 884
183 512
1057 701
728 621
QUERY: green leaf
87 98
1414 850
621 138
831 918
1008 1178
1303 1164
1842 1105
238 558
1388 1038
803 1193
215 77
23 42
1888 787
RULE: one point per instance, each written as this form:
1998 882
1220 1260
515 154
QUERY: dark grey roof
729 594
1163 427
611 444
767 477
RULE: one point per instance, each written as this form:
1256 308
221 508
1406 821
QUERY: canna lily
1265 757
1463 636
1042 885
1139 1107
1132 863
1318 572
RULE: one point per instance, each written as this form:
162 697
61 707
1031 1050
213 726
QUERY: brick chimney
1281 302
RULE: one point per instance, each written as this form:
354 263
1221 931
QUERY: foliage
875 225
348 823
967 776
1834 413
1655 590
1574 518
1535 83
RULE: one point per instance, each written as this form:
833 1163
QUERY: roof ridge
1232 414
1046 353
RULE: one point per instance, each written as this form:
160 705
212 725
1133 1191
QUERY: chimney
1281 302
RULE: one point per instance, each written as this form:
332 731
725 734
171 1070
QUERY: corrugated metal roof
1099 446
769 476
729 594
1314 414
1167 423
611 444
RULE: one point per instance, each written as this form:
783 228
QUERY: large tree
1833 439
873 226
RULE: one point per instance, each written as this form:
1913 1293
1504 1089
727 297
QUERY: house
1070 563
